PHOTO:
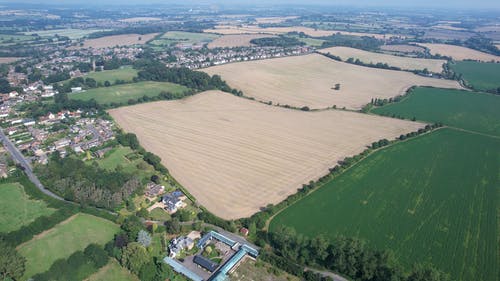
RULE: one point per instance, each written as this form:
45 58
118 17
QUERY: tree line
348 256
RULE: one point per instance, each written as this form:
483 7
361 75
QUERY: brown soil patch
236 156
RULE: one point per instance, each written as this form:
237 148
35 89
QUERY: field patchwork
430 199
310 80
17 209
70 236
466 110
404 63
236 156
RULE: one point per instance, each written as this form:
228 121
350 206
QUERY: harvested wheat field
9 59
236 156
458 52
235 40
370 57
274 19
253 29
309 81
118 40
402 48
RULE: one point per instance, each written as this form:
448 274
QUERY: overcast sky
479 4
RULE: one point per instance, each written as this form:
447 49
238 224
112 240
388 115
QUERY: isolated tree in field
12 264
144 238
134 257
107 83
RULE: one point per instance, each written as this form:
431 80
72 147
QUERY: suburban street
18 157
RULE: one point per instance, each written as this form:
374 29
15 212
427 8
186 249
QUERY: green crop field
433 199
113 272
9 39
481 75
17 209
125 73
174 37
466 110
122 93
72 235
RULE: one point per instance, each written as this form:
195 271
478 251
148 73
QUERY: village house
174 201
179 244
153 189
62 143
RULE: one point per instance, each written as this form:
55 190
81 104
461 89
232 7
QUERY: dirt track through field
309 81
236 156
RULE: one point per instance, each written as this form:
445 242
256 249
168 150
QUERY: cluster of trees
132 248
200 81
364 42
348 256
382 102
130 140
375 65
78 266
12 264
483 44
87 184
56 77
280 41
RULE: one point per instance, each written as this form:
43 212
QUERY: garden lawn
122 93
432 199
60 242
466 110
18 209
481 75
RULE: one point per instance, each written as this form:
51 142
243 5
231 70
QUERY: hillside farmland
459 53
310 80
430 199
236 156
397 61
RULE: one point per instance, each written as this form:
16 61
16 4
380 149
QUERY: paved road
18 157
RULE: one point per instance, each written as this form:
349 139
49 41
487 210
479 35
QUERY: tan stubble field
236 156
117 40
459 52
235 40
404 63
308 81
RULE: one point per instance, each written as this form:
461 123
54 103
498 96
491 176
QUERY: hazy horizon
458 4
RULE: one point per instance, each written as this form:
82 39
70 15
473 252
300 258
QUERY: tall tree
12 264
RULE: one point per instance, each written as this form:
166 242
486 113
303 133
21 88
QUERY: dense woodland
86 184
280 41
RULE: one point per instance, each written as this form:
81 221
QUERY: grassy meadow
432 199
124 73
72 235
122 93
481 75
113 272
466 110
18 209
71 33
